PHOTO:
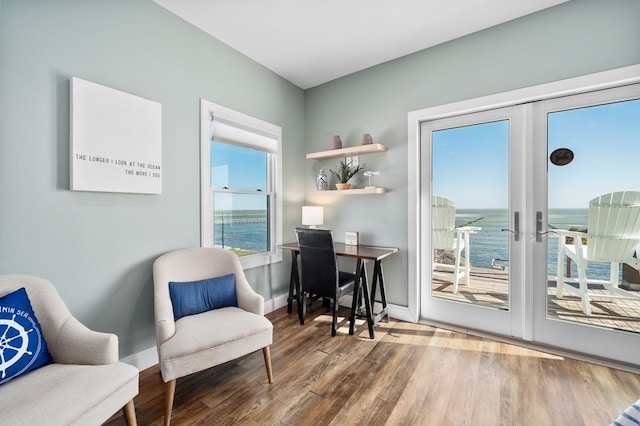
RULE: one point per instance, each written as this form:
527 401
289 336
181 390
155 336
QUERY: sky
470 164
606 144
240 168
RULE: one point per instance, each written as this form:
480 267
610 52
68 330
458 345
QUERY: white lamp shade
312 215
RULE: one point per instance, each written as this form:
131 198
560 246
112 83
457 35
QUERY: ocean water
490 242
493 243
247 230
242 229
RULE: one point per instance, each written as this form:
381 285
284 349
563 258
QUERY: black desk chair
320 274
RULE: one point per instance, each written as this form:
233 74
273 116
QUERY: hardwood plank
409 374
389 385
425 398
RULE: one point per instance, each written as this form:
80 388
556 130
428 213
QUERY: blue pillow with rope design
629 417
22 344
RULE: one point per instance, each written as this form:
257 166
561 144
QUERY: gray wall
575 38
98 248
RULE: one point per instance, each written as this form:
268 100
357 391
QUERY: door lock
539 232
516 227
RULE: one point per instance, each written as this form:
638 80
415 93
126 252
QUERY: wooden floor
411 374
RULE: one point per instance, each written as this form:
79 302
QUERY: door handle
539 232
516 227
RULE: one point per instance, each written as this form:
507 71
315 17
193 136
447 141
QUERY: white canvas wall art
116 140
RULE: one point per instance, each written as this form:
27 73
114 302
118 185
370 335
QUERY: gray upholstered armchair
204 337
84 384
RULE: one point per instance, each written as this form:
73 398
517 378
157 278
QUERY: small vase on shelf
322 182
337 142
367 139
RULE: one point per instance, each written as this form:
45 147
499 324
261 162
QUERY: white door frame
416 243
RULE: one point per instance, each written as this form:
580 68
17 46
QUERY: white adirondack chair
613 236
445 236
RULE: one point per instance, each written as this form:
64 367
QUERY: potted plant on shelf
344 172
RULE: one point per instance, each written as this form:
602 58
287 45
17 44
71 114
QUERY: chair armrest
567 233
468 229
163 312
577 236
77 344
248 299
165 329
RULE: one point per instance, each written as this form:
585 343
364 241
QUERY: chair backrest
47 304
53 315
613 230
318 261
443 223
192 264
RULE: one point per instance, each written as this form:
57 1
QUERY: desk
360 253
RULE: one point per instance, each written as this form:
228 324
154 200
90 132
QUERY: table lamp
312 216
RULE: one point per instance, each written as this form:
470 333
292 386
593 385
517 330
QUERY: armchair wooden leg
129 411
267 362
168 401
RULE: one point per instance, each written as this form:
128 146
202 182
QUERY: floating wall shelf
345 152
363 191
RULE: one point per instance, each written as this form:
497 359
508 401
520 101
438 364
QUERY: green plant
346 171
569 240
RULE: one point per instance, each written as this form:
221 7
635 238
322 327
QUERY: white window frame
274 179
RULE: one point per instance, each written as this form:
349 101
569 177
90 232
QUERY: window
241 184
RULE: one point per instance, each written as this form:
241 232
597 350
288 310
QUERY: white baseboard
275 303
143 359
395 311
401 313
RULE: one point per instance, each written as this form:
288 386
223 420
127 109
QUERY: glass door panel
469 211
594 151
585 274
468 179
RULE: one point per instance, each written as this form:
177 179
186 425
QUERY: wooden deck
488 287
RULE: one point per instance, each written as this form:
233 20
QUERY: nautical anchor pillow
22 345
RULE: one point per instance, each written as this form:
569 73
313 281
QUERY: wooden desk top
360 251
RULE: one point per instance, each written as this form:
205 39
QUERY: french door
588 146
473 172
513 179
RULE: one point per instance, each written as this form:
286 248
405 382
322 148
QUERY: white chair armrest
468 229
163 311
577 236
165 328
77 344
567 233
248 299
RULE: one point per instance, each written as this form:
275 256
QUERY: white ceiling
310 42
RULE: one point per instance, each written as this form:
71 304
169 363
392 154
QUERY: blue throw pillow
22 344
195 297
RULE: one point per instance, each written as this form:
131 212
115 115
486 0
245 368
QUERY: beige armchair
199 341
85 384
